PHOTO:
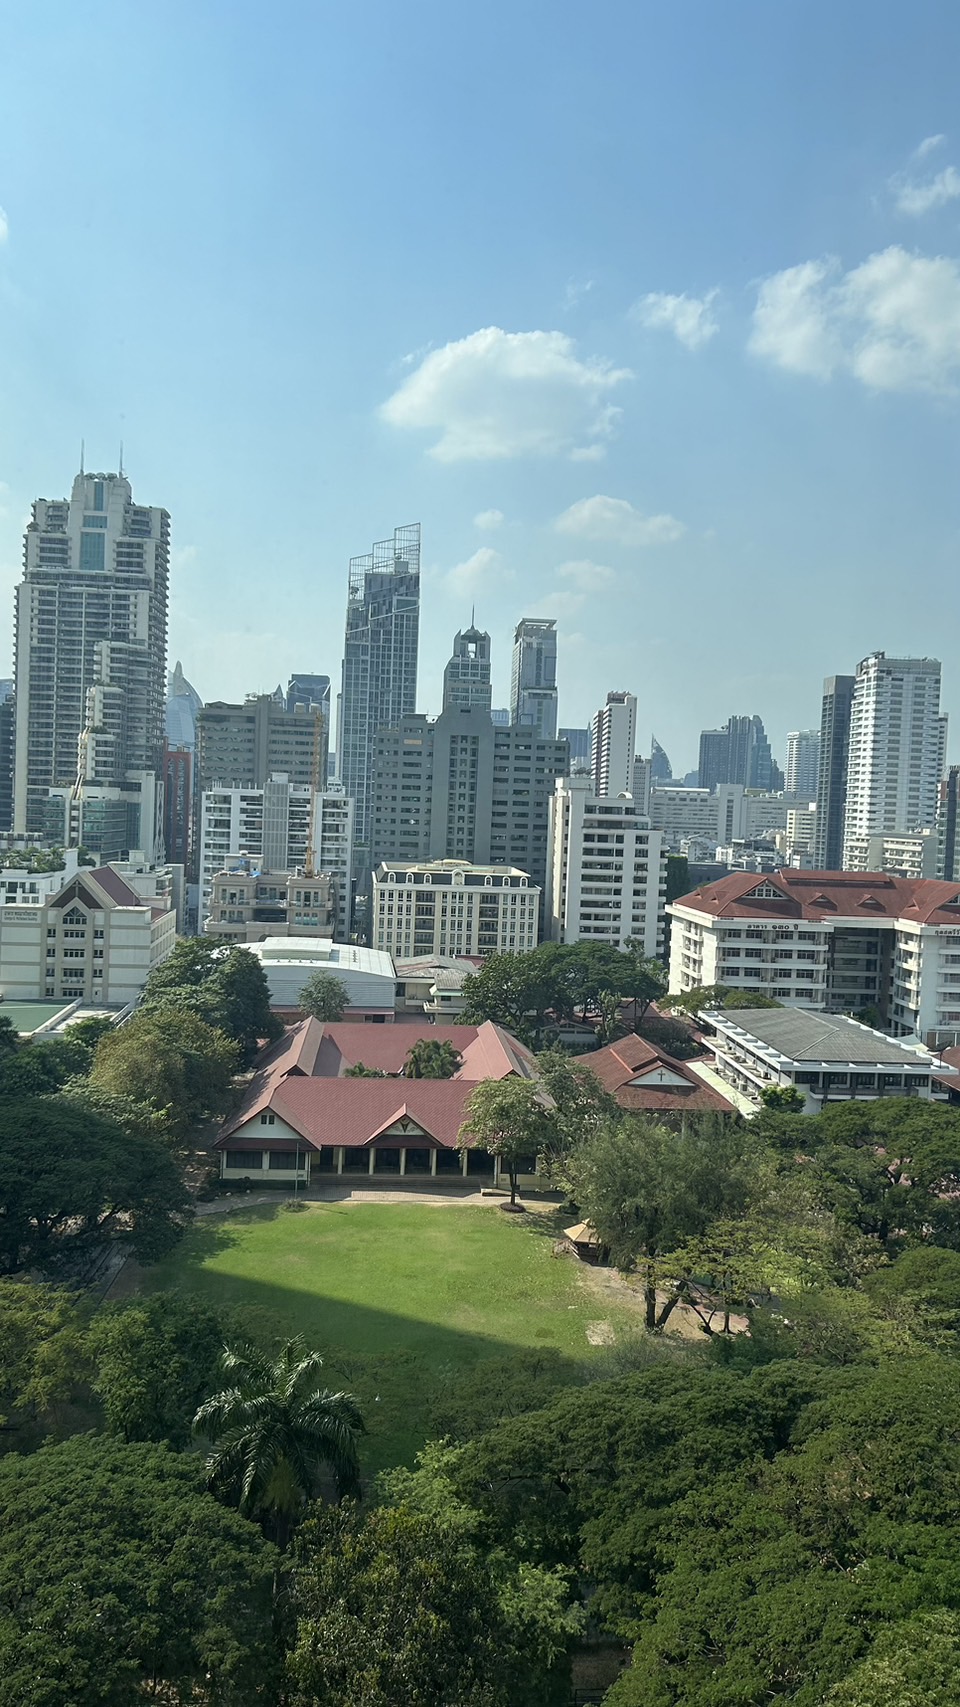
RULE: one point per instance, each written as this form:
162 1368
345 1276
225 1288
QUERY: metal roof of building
805 1034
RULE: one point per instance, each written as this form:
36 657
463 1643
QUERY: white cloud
576 290
587 577
588 453
614 519
488 520
4 226
478 573
893 322
689 318
928 145
936 192
499 394
559 604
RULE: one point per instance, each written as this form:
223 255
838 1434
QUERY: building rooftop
321 954
807 1035
817 895
648 1080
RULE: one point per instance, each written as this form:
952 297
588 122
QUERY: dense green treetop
154 1360
72 1182
121 1579
510 1119
224 985
42 1357
324 996
429 1058
170 1059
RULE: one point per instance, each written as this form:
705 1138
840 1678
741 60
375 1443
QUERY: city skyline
629 376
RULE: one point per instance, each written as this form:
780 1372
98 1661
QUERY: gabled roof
830 894
488 1052
356 1112
621 1064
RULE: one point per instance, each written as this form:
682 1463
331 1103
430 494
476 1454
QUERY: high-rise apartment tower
91 614
379 662
803 763
897 749
466 679
832 771
613 744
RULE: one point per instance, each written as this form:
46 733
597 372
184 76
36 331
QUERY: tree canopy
430 1058
324 996
170 1059
594 980
223 985
121 1578
154 1360
72 1183
510 1119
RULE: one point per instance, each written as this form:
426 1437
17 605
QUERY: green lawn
394 1295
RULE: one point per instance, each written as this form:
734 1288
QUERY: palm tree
274 1432
432 1058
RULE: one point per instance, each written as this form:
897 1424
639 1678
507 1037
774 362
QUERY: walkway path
377 1194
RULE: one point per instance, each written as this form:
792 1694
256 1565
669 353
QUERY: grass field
394 1295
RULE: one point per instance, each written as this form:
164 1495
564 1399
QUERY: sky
648 313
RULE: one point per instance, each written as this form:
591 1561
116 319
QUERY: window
245 1161
268 1120
286 1160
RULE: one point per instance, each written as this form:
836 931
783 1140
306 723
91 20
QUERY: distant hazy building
91 644
8 754
379 661
613 743
533 678
180 718
948 828
661 769
466 679
578 740
607 873
832 771
739 752
897 752
803 763
909 854
450 907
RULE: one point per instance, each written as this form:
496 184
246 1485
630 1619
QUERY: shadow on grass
396 1364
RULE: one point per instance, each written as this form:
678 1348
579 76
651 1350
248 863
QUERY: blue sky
667 296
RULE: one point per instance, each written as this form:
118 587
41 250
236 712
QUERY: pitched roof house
646 1080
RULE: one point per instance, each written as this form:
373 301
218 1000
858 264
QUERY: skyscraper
832 772
897 747
533 678
91 651
739 752
379 662
183 704
613 744
803 763
466 679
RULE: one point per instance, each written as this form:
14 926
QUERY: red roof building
648 1081
302 1115
845 942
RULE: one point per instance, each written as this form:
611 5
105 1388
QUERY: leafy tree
154 1360
275 1432
171 1059
9 1035
510 1120
395 1608
124 1111
915 1663
362 1072
324 996
121 1579
432 1059
643 980
88 1032
669 1034
922 1290
224 986
516 991
693 1002
581 1106
785 1098
71 1183
750 999
648 1191
469 1401
41 1356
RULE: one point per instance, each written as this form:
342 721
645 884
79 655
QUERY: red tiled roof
488 1051
827 894
115 886
633 1058
355 1112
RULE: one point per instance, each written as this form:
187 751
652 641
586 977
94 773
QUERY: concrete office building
608 869
461 788
832 771
179 754
449 907
803 763
897 752
379 664
948 839
271 826
249 905
8 755
912 854
91 614
533 677
466 679
578 740
242 746
613 745
94 940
